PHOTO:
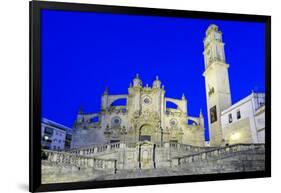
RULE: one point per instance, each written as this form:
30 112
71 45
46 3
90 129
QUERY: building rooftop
55 124
257 97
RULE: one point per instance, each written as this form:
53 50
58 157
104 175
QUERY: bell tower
216 82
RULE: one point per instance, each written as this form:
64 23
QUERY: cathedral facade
144 117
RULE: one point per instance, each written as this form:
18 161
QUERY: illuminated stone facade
143 117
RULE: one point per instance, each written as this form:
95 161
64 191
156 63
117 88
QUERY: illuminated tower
216 82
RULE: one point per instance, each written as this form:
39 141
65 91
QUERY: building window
213 114
238 114
49 130
59 141
230 118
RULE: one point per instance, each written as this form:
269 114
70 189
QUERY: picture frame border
35 8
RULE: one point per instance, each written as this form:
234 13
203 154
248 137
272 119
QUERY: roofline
240 102
55 124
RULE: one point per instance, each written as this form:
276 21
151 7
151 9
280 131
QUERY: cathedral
145 133
144 117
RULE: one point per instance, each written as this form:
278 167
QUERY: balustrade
75 159
217 152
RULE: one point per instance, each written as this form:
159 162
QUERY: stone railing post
108 147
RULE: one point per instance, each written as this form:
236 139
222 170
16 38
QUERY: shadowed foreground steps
60 167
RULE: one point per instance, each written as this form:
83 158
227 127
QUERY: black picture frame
35 96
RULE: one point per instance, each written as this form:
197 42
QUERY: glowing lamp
235 136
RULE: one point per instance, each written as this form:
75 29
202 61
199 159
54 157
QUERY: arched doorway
145 133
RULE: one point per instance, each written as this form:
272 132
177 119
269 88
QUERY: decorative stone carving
144 106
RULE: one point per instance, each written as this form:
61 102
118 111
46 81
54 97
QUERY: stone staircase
62 173
235 158
83 165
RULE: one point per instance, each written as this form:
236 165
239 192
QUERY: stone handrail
214 153
130 145
66 158
185 147
100 148
95 149
105 164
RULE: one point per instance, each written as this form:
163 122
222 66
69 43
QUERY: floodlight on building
235 136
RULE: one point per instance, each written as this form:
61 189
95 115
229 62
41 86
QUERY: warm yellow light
235 136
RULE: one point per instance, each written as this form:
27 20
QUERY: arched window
119 102
171 105
191 122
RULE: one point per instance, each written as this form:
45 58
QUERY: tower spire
157 83
137 82
217 82
213 46
201 114
183 97
105 91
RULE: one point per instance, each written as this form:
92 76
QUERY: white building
53 135
244 121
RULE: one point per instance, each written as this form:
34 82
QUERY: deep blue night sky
83 52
